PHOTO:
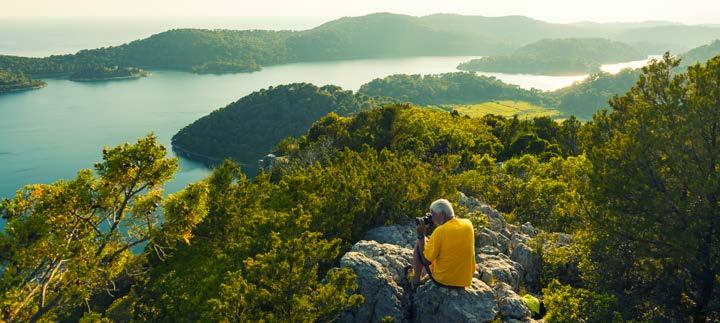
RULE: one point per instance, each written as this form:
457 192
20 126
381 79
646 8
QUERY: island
571 56
13 82
379 35
102 73
449 88
249 128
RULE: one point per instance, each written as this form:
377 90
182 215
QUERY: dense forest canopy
107 73
558 57
583 99
374 35
182 49
11 82
447 88
637 187
248 129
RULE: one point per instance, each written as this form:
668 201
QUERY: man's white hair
442 206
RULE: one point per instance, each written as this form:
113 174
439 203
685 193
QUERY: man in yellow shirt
448 256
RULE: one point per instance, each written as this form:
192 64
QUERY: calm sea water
50 133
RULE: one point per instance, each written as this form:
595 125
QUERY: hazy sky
686 11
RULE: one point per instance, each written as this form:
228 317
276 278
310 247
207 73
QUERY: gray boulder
492 269
496 220
401 235
510 305
517 239
528 229
487 237
476 303
530 261
488 250
380 278
471 203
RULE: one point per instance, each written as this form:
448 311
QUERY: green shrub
567 304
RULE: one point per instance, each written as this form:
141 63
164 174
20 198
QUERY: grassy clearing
505 108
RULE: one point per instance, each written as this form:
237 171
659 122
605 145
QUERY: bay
49 134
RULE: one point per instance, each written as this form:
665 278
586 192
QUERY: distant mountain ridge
371 36
566 56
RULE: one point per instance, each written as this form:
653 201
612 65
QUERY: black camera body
427 220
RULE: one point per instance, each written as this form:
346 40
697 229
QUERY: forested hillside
374 35
249 128
636 188
182 49
11 82
583 99
459 87
558 57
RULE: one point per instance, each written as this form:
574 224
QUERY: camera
427 220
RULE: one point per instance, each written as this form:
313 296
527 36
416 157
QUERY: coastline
132 77
37 87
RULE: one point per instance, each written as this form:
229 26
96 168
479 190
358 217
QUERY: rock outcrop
510 305
476 303
506 264
401 235
380 277
492 269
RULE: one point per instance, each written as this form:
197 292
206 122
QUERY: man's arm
421 247
430 248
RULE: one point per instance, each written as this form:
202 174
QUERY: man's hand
420 231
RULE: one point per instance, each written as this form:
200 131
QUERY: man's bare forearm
421 248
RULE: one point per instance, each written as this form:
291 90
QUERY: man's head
441 211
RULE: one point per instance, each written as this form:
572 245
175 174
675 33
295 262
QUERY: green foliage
219 67
568 304
557 57
655 186
430 134
269 252
282 284
355 191
107 73
182 49
448 88
66 241
560 257
10 82
583 99
545 194
374 35
248 129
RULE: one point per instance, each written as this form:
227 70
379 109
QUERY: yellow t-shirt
451 251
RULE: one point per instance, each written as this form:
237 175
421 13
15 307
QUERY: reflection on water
615 68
